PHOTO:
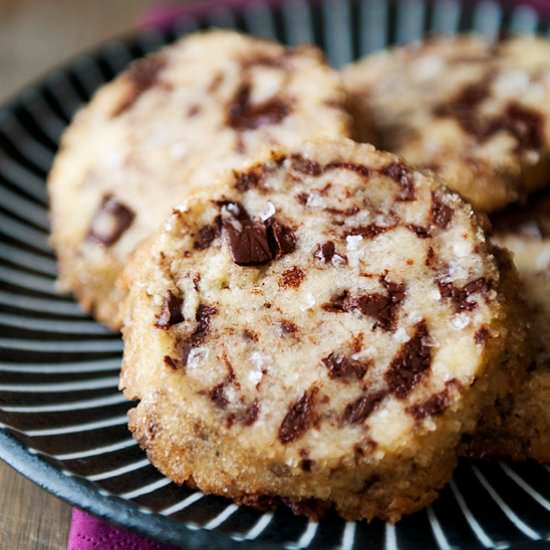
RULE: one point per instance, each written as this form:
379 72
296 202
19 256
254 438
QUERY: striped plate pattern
62 420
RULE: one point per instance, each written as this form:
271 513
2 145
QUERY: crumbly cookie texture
477 113
322 331
519 427
169 125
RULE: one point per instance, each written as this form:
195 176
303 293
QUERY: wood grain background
36 35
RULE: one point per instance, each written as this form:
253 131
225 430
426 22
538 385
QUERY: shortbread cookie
476 113
519 427
168 125
323 330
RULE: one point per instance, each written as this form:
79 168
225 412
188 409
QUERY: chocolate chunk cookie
169 125
324 327
519 427
477 113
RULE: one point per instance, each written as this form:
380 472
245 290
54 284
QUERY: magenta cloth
90 533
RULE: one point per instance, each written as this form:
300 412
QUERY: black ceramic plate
62 420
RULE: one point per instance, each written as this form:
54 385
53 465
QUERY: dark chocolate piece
459 296
340 366
359 410
249 244
242 115
440 212
305 166
410 364
142 74
369 231
202 317
171 311
300 417
403 176
207 234
111 220
325 251
281 238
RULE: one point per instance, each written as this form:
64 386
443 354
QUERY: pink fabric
162 16
90 533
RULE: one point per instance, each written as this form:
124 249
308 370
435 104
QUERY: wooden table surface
36 35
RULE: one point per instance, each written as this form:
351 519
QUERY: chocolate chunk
203 315
305 166
523 123
252 242
288 327
459 296
249 244
421 232
339 302
440 212
347 212
217 395
142 74
526 125
359 410
251 179
248 416
307 464
250 335
170 362
340 366
359 169
242 115
463 107
291 278
410 364
402 175
195 339
110 221
324 252
482 335
434 405
281 238
207 234
369 231
171 311
382 307
302 198
300 417
377 306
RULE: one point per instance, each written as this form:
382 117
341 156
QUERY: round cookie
519 427
168 125
322 330
476 113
